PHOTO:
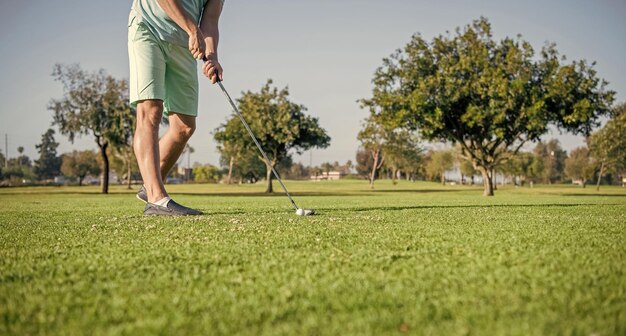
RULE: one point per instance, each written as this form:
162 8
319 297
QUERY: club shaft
267 161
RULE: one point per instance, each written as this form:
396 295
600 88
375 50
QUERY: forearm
175 12
209 25
211 38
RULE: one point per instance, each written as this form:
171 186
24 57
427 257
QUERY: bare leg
146 147
173 142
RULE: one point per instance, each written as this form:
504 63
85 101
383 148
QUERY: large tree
608 145
93 103
280 126
491 97
49 164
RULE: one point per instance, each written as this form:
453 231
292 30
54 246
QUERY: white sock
163 202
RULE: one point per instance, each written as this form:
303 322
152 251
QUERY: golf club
299 211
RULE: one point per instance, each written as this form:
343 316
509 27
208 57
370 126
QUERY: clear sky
325 51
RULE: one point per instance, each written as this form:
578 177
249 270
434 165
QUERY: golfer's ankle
156 197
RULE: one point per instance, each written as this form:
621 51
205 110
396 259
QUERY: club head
305 212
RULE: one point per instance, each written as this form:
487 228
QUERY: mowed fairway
415 258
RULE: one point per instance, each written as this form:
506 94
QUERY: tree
520 167
489 97
551 159
79 164
364 163
316 171
579 165
347 167
377 132
440 162
206 174
233 146
608 145
123 161
96 104
49 164
297 171
402 152
21 160
327 167
280 126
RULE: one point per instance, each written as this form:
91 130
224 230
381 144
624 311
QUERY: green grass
415 258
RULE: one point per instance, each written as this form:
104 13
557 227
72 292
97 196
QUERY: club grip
217 75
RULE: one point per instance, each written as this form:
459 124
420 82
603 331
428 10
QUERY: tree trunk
373 172
600 176
269 188
584 183
105 168
80 181
230 170
487 182
443 178
472 179
128 173
494 185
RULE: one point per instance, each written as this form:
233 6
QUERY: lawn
416 258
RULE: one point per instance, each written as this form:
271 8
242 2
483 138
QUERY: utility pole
6 150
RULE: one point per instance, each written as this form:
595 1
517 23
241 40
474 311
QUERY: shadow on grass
603 195
322 211
414 207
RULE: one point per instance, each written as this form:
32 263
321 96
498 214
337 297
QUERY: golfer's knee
149 113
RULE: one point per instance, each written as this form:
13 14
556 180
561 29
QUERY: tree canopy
281 127
79 164
490 97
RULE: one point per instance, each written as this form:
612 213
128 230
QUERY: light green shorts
161 70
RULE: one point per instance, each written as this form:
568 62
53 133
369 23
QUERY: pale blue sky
325 51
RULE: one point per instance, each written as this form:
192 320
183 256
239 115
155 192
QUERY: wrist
212 55
192 30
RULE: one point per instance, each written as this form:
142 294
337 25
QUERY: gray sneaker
172 209
142 195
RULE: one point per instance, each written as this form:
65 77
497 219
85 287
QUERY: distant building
333 175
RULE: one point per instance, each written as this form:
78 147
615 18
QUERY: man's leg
146 146
172 144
